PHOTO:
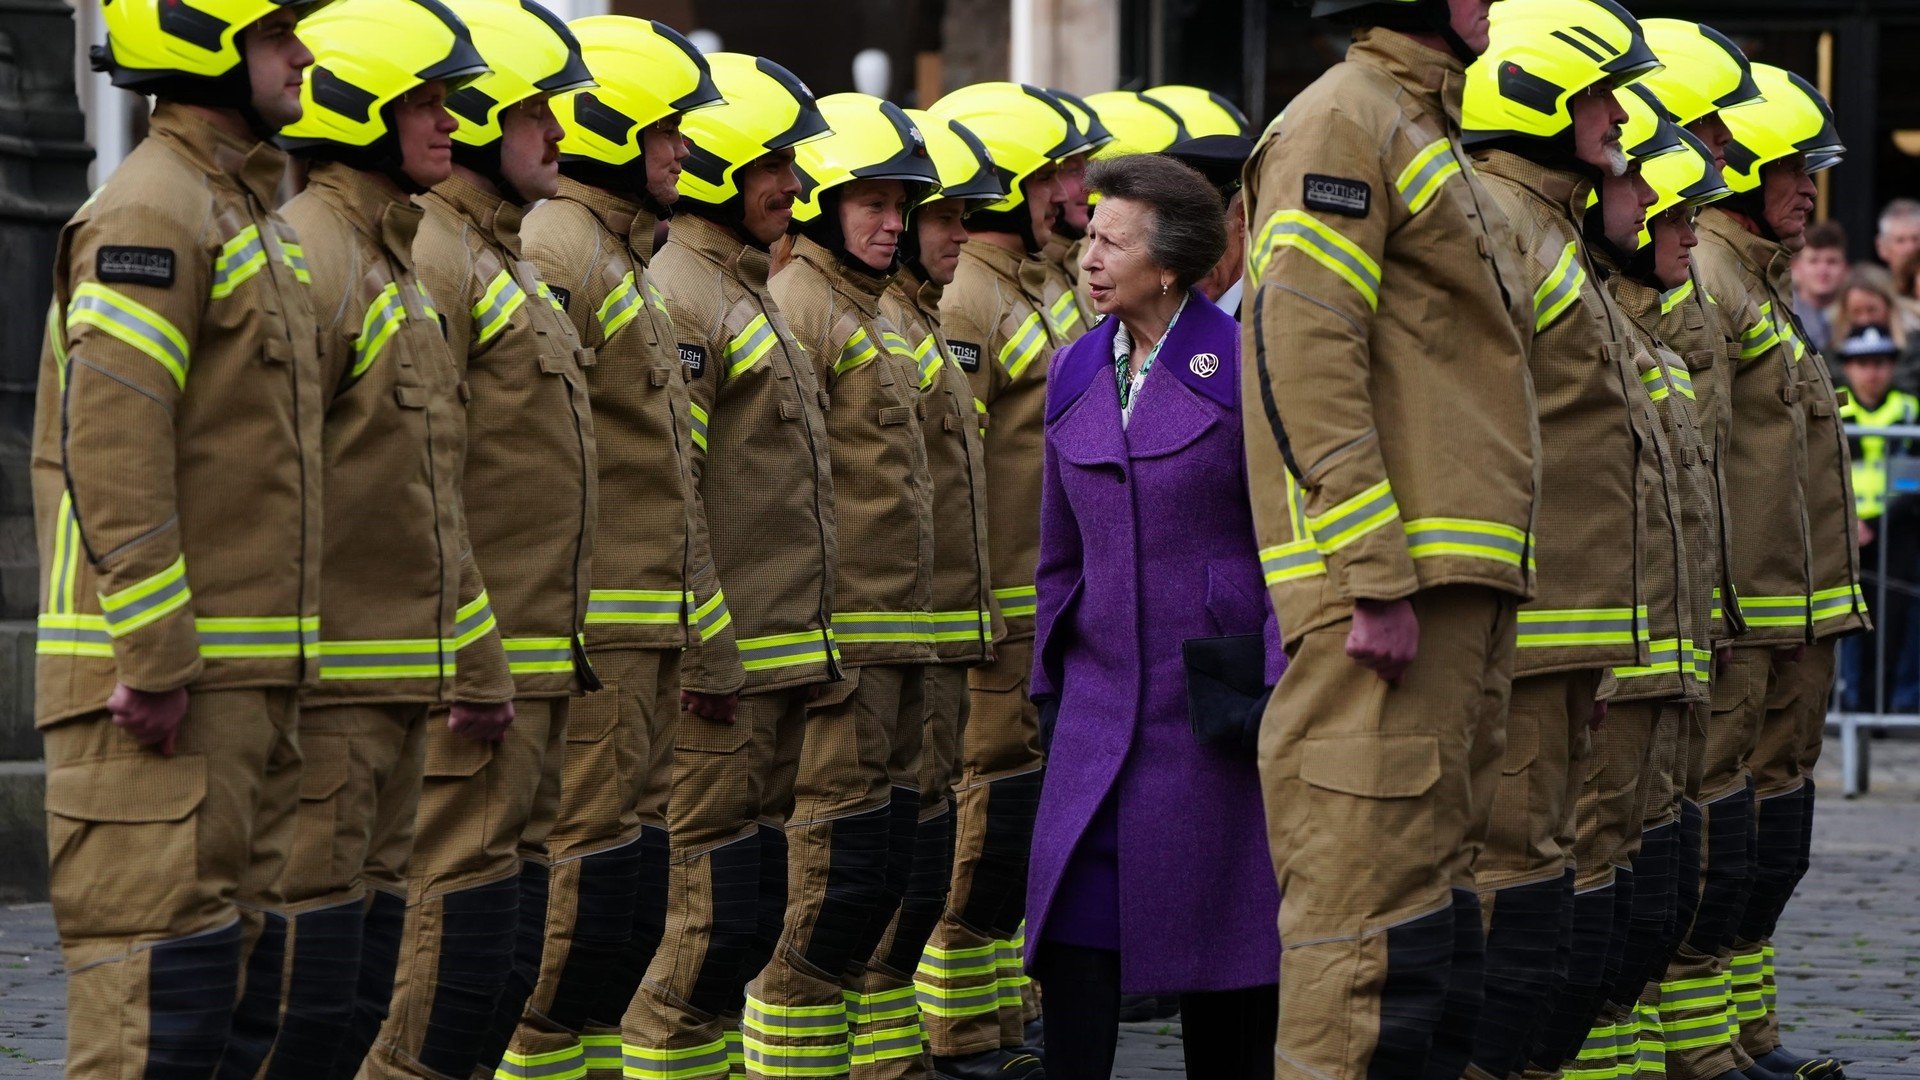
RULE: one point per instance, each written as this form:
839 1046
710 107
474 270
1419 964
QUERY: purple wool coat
1146 540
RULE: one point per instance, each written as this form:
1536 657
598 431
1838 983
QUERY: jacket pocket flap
411 397
1372 766
895 414
324 765
450 755
169 789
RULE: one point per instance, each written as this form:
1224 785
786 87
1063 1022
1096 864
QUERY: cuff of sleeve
162 656
713 668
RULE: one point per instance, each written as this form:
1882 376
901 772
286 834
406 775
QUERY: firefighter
762 475
620 161
1544 118
1201 112
169 713
1386 293
400 593
1068 310
857 793
1706 76
994 317
1655 288
1679 560
477 886
1778 144
964 629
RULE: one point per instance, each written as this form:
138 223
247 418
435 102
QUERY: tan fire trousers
163 871
1377 801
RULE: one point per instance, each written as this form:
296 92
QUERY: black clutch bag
1227 691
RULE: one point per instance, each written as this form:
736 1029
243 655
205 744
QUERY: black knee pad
1686 875
256 1017
1806 831
529 943
607 887
1414 994
1726 879
380 931
903 822
1620 929
1525 946
1651 916
326 947
856 884
1560 1035
1778 824
477 929
926 895
997 893
771 906
649 927
191 984
734 884
1466 988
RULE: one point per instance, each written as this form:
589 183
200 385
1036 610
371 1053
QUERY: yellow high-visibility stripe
1017 601
148 600
1560 289
240 258
1573 627
138 325
621 307
1354 518
497 305
1437 537
1303 232
858 350
377 327
698 428
1424 176
749 345
1675 296
1024 346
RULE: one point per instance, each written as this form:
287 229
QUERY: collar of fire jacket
1756 253
742 261
920 294
493 213
1565 191
256 167
861 290
617 214
377 212
1438 76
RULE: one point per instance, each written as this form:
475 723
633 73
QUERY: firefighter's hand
151 717
481 723
1384 638
1722 657
1864 531
1598 716
1789 655
718 708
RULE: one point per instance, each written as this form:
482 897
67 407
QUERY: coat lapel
1168 417
1194 377
1088 432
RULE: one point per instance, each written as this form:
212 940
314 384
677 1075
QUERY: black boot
1786 1063
990 1065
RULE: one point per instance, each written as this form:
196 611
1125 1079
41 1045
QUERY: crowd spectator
1867 299
1887 510
1819 270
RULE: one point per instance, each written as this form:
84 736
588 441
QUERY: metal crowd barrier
1857 727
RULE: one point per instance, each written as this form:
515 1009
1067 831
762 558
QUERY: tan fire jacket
995 318
964 628
1680 573
1600 520
1064 313
882 492
653 581
529 483
761 464
400 592
1391 427
1767 458
176 436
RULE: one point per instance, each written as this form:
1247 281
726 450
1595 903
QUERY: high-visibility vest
1870 451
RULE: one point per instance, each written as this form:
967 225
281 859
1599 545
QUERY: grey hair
1187 229
1899 210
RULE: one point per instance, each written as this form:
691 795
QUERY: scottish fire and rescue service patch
966 354
1338 195
134 265
694 358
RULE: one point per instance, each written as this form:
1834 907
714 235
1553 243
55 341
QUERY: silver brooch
1204 364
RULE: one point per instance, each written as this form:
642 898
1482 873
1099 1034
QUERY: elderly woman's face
1121 277
873 214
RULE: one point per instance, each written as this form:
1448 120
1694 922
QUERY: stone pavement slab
1849 948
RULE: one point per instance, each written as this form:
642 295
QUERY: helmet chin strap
486 160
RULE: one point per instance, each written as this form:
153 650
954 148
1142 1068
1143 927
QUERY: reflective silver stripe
426 655
774 652
974 1002
71 635
148 333
569 1063
473 622
212 638
828 1022
1437 535
598 606
133 609
667 1064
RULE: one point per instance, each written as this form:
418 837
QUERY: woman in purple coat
1150 871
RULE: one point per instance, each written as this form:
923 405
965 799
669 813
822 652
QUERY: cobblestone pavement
1849 947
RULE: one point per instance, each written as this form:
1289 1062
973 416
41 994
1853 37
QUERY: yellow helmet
1704 71
871 140
531 53
187 48
366 54
1093 133
964 163
1025 127
1202 112
1689 178
1540 53
1792 118
1140 125
767 108
647 72
1649 131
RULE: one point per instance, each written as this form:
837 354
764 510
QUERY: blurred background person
1124 588
1899 234
1887 522
1819 269
1866 299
